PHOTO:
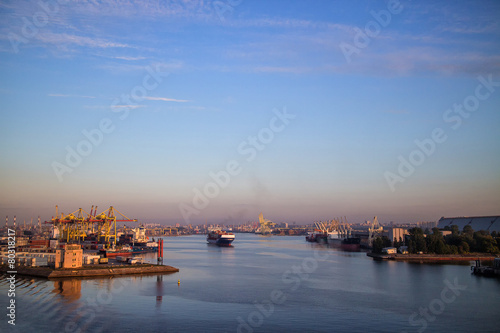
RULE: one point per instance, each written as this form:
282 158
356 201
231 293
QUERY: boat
148 247
113 252
220 237
335 239
351 244
317 236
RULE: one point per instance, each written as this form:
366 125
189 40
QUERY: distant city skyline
204 111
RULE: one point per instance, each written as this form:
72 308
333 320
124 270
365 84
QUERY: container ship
220 238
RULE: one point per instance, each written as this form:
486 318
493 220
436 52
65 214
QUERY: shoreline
433 257
91 271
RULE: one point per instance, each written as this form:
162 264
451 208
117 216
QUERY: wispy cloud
288 23
66 95
132 106
280 69
67 39
165 99
116 67
129 58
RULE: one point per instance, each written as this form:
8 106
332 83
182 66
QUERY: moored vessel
351 244
317 236
335 239
113 252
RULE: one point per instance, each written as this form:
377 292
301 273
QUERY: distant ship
220 238
335 239
351 244
316 236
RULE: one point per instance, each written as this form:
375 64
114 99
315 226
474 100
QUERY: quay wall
108 270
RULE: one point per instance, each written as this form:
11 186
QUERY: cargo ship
125 250
351 244
144 249
220 238
335 239
317 236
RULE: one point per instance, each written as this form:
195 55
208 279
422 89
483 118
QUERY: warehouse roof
489 223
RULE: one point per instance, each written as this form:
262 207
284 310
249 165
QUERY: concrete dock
91 271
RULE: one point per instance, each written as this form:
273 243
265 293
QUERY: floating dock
487 270
91 271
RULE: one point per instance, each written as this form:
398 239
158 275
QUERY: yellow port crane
265 225
75 226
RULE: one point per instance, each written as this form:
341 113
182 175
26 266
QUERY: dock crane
265 225
76 226
374 229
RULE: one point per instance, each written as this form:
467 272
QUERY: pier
92 271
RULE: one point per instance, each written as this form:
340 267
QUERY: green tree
378 245
468 230
386 241
398 243
435 242
484 242
463 248
417 241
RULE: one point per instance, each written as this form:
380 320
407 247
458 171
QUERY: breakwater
92 271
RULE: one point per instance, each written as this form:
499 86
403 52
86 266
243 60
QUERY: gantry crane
265 225
374 230
76 226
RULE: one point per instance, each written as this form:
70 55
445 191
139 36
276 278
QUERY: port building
488 223
69 257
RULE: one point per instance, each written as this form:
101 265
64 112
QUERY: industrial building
395 234
488 223
69 257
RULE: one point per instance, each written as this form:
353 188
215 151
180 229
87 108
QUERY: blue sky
183 86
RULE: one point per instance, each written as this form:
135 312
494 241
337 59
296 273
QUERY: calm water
263 284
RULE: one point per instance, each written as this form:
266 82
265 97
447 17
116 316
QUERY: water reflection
159 290
71 290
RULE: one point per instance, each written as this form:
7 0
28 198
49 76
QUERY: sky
214 111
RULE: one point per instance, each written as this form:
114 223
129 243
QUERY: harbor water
262 284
